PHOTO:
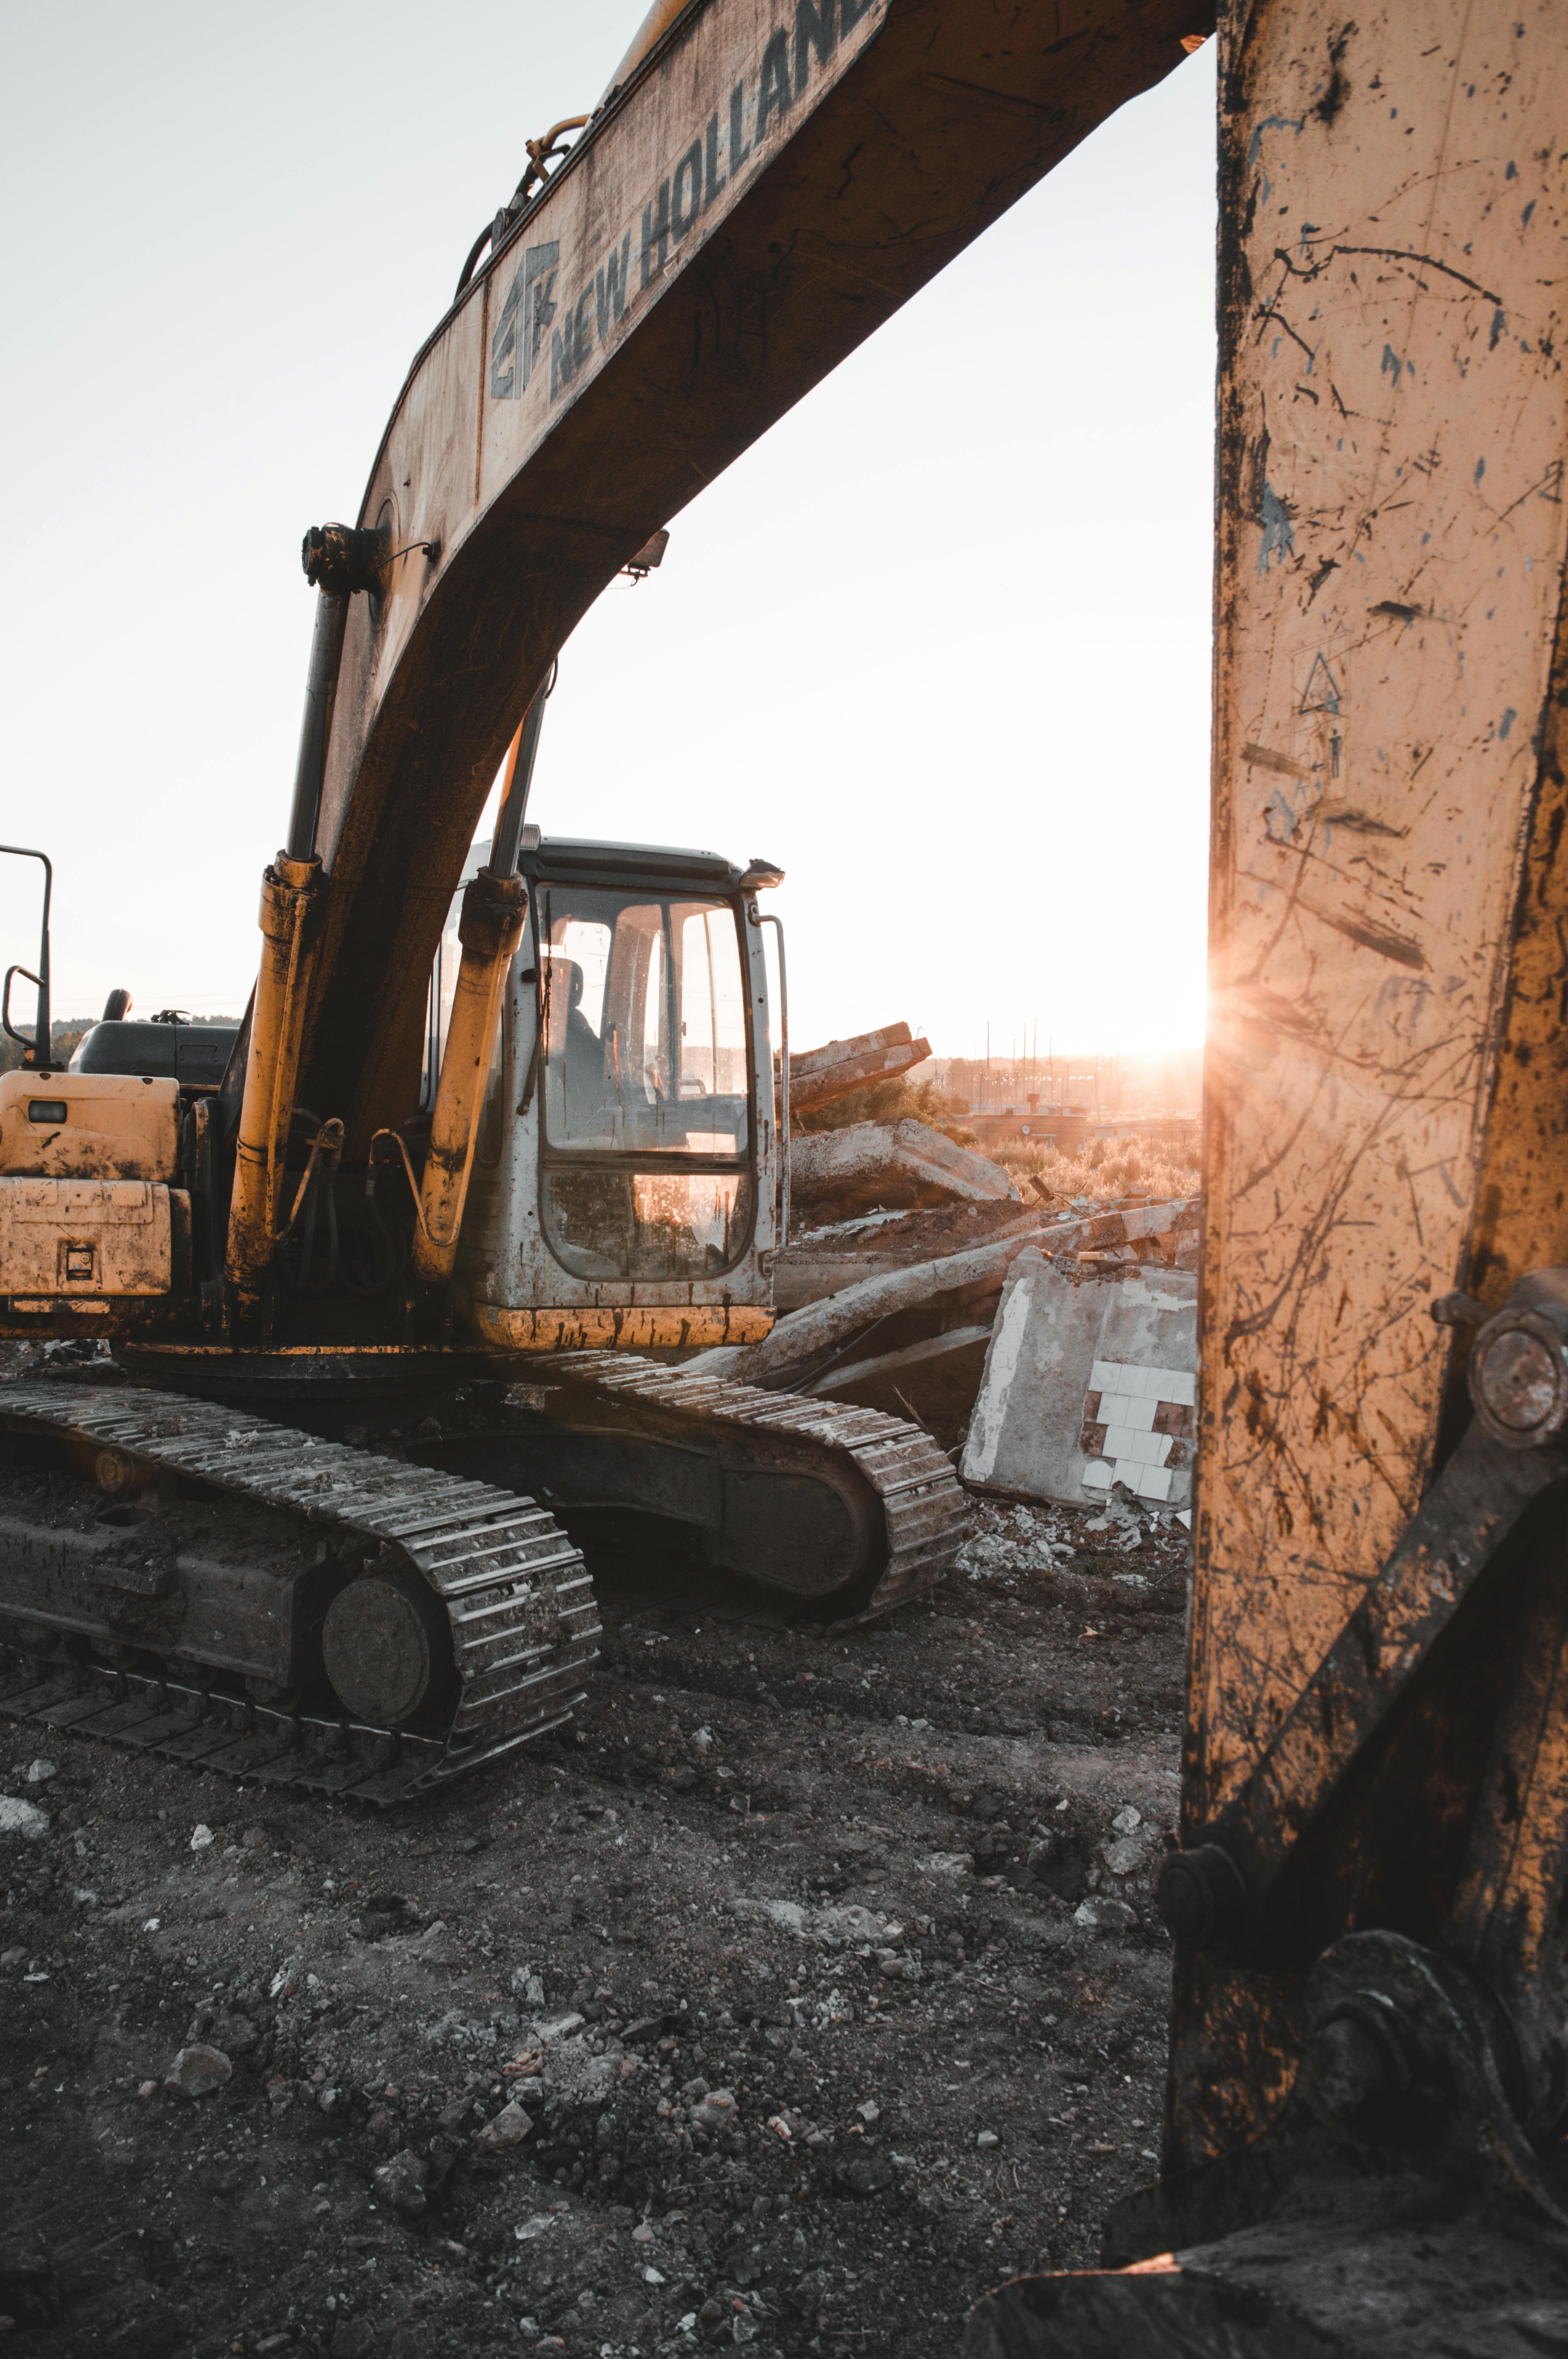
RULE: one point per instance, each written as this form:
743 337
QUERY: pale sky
939 643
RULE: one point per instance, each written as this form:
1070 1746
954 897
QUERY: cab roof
584 859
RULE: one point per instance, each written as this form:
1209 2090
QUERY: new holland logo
579 312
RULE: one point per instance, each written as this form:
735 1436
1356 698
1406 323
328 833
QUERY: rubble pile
915 1282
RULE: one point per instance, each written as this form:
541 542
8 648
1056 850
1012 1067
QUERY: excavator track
519 1606
924 1512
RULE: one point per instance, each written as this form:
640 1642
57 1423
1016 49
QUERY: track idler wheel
387 1650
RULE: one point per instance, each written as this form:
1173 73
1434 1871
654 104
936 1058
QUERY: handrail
41 1043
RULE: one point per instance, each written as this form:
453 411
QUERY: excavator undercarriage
184 1576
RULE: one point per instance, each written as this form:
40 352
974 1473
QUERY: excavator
1367 1895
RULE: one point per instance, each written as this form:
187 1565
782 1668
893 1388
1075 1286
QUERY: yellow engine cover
88 1126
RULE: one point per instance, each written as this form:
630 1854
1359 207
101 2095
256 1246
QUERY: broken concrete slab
908 1356
952 1281
872 1164
1088 1382
819 1076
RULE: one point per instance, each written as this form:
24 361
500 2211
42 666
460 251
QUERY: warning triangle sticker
1323 693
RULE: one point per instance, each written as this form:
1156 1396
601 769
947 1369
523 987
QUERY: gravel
807 1988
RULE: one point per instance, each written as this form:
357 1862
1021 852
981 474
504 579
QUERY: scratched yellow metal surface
632 1328
1389 564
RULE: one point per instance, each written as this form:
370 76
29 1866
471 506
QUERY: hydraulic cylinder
293 899
489 929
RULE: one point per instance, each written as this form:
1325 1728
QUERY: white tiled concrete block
1153 1483
1130 1344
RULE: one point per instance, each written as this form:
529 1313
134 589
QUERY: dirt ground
807 1988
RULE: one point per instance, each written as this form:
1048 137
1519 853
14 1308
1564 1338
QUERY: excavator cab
627 1156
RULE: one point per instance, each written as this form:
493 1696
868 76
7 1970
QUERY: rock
201 1838
555 2026
40 1772
869 2175
850 1923
1127 1822
1124 1856
528 1986
716 2110
402 2182
21 1819
1104 1915
787 1914
510 2127
869 2109
198 2072
646 2027
9 1958
573 2072
988 2138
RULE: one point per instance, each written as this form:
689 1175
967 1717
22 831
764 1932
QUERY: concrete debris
573 2074
17 1818
1124 1856
819 1076
402 2182
832 1926
962 1288
805 1335
931 1355
1103 1914
510 2127
198 2072
40 1772
874 1164
1089 1385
